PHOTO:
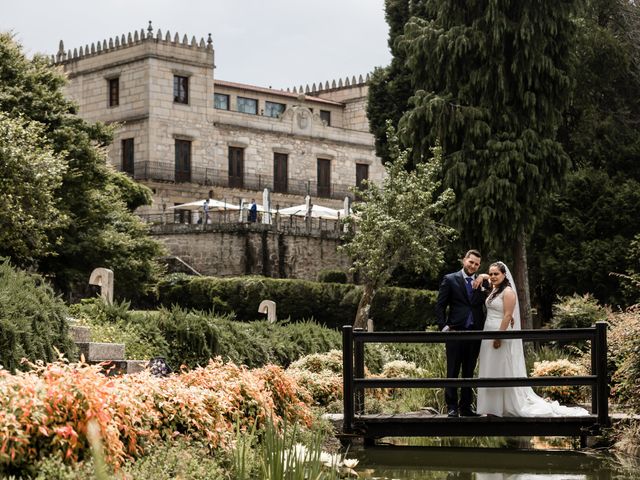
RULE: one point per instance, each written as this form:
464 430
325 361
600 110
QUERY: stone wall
253 249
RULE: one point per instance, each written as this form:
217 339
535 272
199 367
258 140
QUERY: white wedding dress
508 361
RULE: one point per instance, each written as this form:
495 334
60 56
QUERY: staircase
109 355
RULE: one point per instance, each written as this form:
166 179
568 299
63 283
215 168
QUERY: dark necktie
469 322
469 287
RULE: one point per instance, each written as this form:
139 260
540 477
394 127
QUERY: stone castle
184 133
187 135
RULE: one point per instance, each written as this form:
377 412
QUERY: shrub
570 394
623 342
32 320
330 304
46 412
316 363
332 276
139 331
577 311
191 338
401 369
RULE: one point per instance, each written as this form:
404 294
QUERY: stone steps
110 355
101 352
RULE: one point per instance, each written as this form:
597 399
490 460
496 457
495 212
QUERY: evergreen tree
589 226
99 228
491 80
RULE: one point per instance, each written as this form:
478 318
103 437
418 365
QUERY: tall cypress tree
390 87
491 82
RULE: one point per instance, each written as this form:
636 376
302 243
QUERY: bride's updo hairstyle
505 283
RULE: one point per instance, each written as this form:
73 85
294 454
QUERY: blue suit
453 308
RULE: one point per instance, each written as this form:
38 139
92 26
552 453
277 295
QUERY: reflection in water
462 463
528 476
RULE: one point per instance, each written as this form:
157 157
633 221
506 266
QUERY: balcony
146 171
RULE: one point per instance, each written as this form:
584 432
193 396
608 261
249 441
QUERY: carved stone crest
303 119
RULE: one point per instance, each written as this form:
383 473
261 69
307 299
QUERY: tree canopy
589 226
69 210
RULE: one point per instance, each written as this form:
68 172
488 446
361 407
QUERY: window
114 92
127 156
280 161
272 109
325 116
236 167
183 161
248 105
324 177
362 173
180 89
221 101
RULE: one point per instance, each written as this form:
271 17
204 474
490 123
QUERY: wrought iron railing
220 178
176 221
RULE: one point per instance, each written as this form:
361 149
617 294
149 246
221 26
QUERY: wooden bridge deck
420 424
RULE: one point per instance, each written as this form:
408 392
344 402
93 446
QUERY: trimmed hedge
330 304
332 276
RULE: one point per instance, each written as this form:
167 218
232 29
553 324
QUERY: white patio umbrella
317 211
199 204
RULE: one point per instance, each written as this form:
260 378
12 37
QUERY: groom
464 298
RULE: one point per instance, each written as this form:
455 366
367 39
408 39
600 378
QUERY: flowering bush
324 386
45 412
401 369
560 368
317 362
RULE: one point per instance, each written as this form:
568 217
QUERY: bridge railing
354 381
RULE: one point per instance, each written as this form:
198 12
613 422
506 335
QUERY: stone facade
328 123
245 249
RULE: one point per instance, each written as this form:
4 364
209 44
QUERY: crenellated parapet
131 39
327 86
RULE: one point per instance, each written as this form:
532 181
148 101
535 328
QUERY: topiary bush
33 320
332 276
330 304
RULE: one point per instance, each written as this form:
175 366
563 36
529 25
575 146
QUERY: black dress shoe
468 413
452 413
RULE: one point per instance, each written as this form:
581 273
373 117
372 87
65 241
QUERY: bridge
357 423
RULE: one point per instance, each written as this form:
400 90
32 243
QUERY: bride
505 358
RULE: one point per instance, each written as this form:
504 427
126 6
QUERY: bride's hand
497 343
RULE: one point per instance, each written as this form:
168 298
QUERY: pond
513 459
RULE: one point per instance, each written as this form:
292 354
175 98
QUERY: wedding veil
515 346
516 311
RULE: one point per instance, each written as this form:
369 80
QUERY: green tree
30 174
590 224
96 201
491 81
390 87
398 224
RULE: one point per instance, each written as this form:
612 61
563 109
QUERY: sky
268 43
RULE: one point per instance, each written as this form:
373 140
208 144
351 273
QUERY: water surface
506 462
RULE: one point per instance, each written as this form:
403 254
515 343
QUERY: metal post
603 386
594 370
347 378
359 373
